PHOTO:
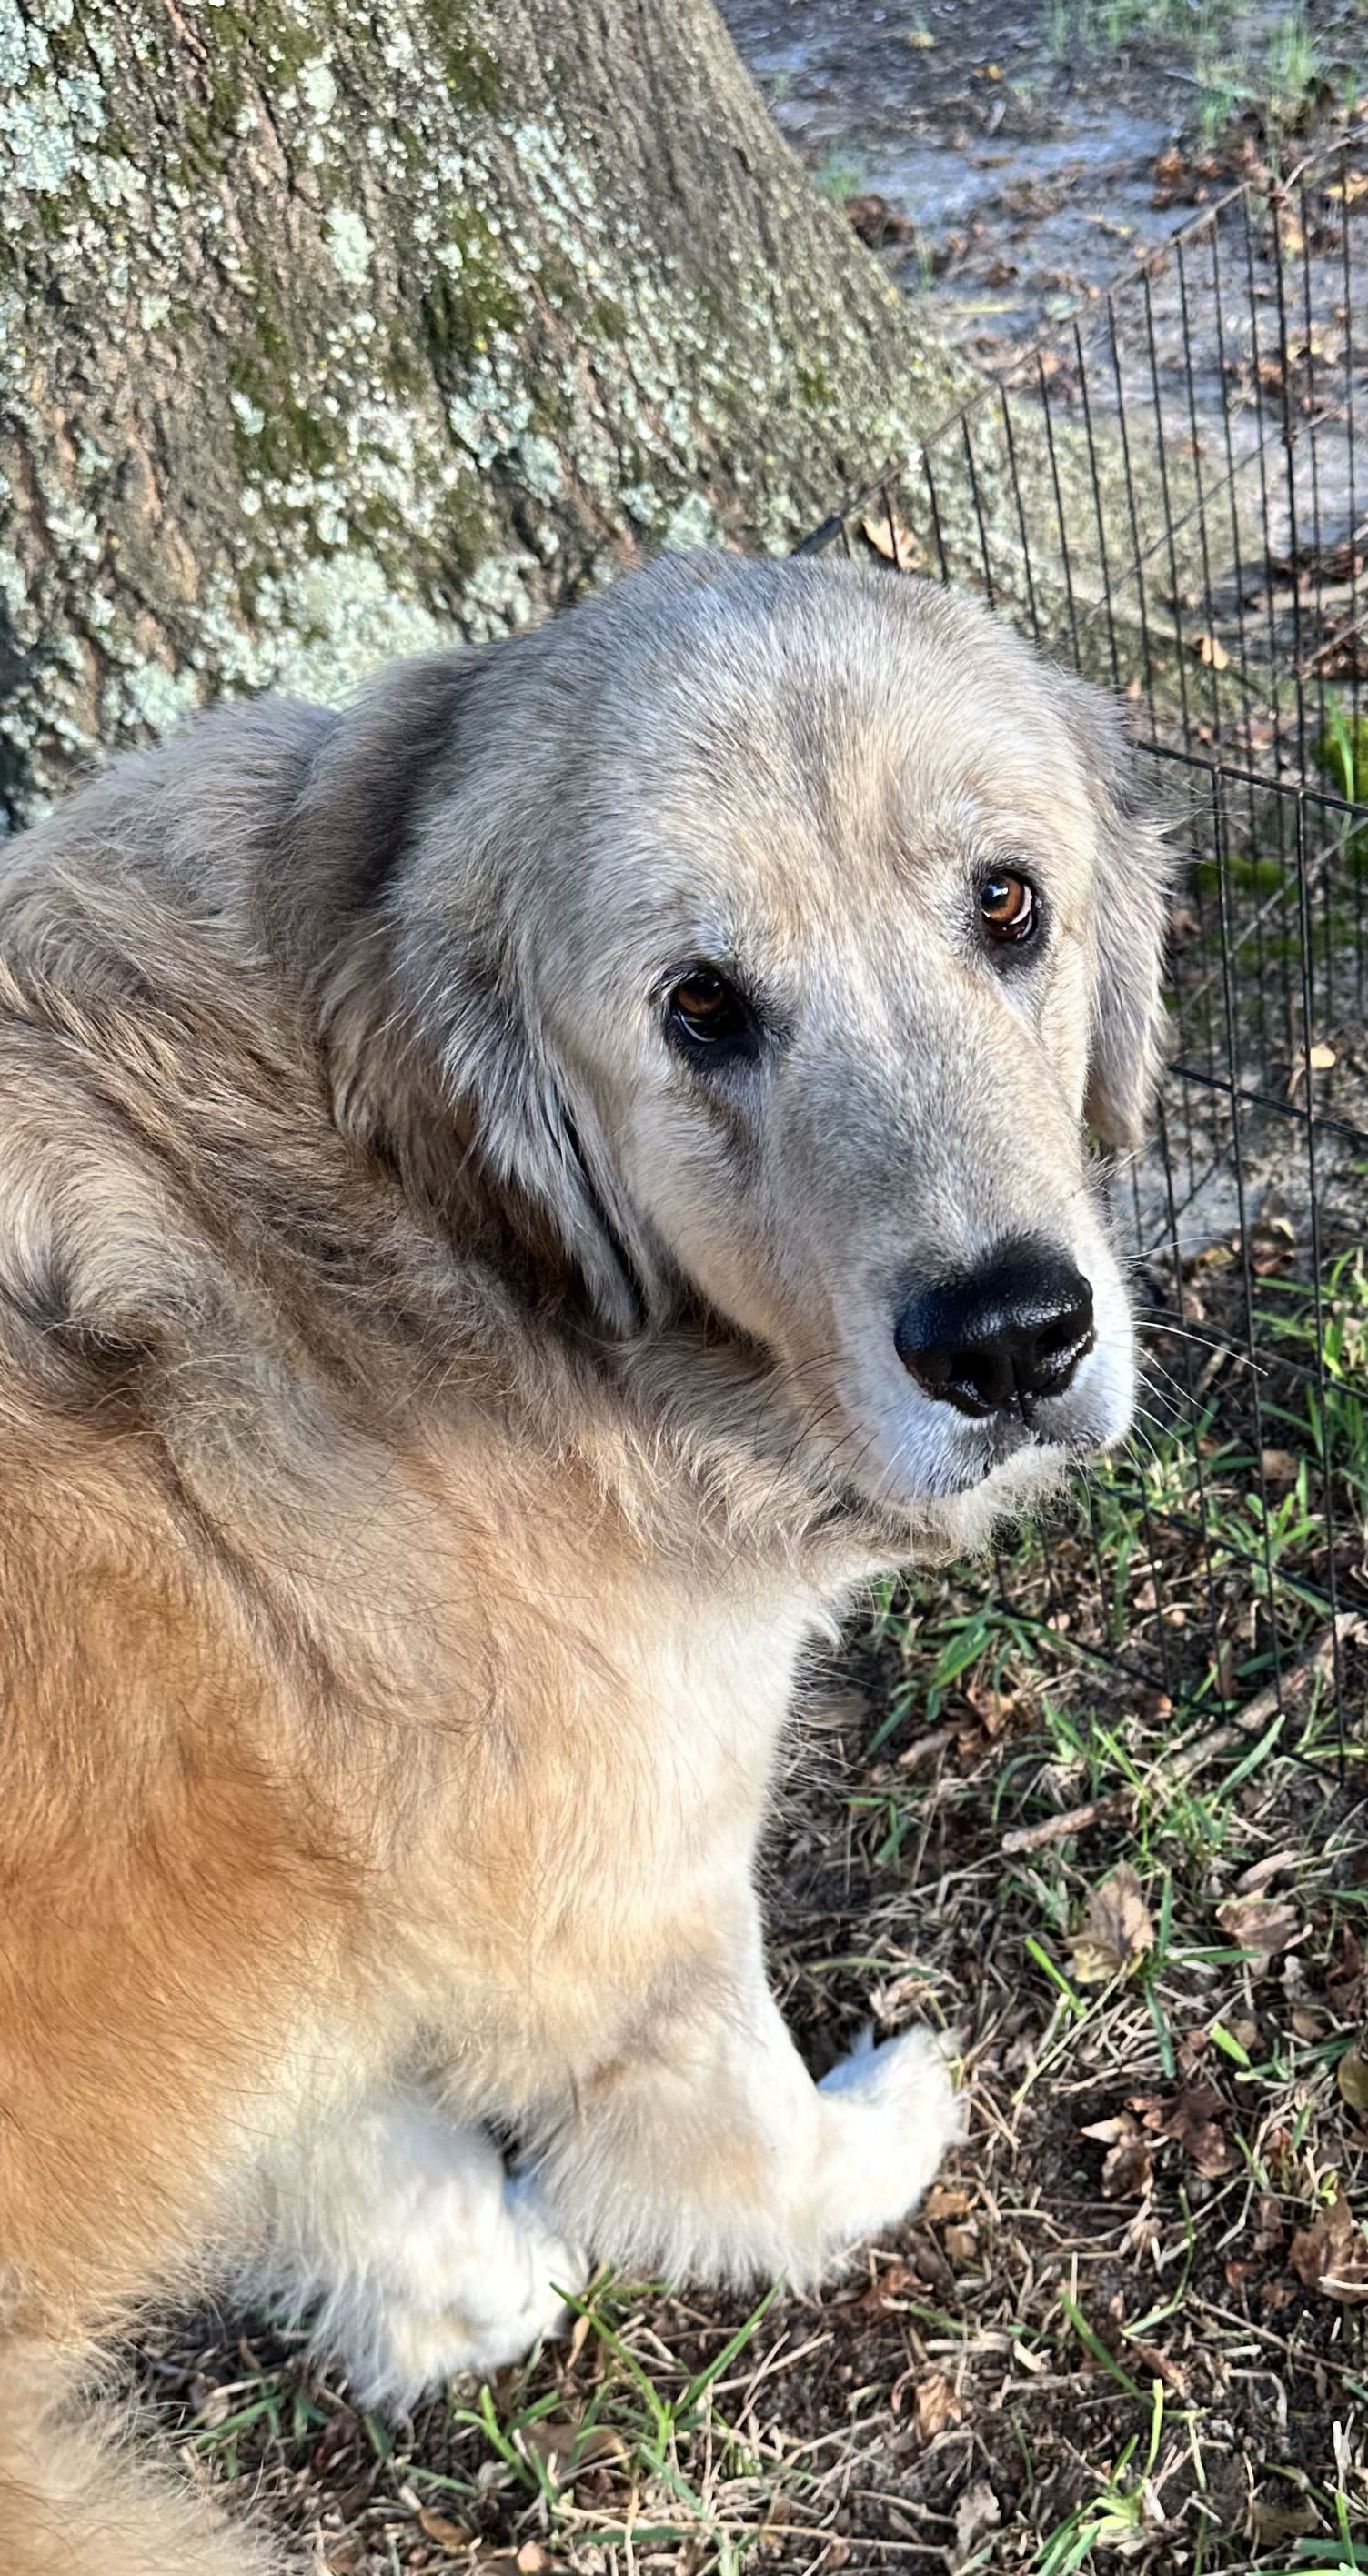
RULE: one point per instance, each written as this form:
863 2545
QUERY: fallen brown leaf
1352 2078
978 2511
1127 2172
876 221
1331 2255
888 2285
1270 2523
1261 1925
1192 2117
890 538
1212 651
945 2200
1157 2363
565 2448
449 2535
937 2406
1344 1982
1270 2231
1116 1929
1142 2233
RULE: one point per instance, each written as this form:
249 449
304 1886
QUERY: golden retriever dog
515 1202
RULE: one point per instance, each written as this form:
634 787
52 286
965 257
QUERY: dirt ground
1131 2324
1010 161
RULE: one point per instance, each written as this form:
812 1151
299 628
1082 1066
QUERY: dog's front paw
897 2112
440 2308
491 2318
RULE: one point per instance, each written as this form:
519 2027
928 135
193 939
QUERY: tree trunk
329 330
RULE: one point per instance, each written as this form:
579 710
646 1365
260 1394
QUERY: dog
516 1201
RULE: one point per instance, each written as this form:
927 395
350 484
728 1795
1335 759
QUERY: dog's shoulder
166 1152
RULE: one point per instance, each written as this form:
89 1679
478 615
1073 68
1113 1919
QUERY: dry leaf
1253 1881
1269 2233
1126 2168
1192 2117
937 2406
1352 2077
1321 1058
1344 1976
945 2200
891 539
877 222
1269 2523
884 2291
1279 1466
1142 2233
1157 2363
1331 2254
1213 652
451 2536
1260 1925
977 2511
961 2243
565 2448
1115 1931
531 2559
1195 2123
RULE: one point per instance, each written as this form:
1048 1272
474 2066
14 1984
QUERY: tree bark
329 328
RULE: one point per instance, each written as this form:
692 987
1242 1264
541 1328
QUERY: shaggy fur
435 1419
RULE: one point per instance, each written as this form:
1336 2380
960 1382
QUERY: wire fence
1172 498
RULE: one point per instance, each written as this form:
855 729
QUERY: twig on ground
1074 1820
1314 1664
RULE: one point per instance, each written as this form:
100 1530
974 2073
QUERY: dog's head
784 928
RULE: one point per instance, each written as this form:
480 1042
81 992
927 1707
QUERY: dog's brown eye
1008 905
708 1011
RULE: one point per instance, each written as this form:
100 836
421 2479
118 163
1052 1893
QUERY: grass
1279 67
838 178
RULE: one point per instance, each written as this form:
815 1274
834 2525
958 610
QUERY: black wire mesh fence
1175 499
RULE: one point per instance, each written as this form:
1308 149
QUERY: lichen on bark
330 328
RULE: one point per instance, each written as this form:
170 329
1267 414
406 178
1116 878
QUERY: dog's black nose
998 1338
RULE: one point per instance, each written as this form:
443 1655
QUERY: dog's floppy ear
1135 874
539 1143
399 846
